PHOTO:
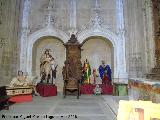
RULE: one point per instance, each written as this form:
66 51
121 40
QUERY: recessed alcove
57 50
96 49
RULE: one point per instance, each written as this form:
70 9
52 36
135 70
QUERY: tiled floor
88 107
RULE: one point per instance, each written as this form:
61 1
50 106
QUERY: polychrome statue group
104 73
48 72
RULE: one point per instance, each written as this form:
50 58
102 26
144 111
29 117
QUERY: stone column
73 16
24 34
156 17
149 33
121 40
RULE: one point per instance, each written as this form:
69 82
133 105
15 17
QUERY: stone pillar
121 40
73 16
155 72
156 17
149 35
24 35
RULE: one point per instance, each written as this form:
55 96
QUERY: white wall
96 50
139 37
9 39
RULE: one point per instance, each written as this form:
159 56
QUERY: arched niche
26 59
118 44
96 49
57 50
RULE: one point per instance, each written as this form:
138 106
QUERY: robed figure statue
86 72
47 67
105 73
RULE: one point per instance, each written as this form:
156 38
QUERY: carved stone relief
135 65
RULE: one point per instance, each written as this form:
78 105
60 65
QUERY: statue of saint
47 67
86 72
105 73
19 80
23 80
105 79
94 76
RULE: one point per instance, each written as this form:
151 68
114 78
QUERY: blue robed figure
105 68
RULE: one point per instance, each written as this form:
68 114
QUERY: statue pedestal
46 90
120 89
88 89
21 98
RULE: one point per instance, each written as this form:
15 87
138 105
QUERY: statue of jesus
47 67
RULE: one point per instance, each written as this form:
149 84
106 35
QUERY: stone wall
38 13
139 37
9 39
107 13
61 13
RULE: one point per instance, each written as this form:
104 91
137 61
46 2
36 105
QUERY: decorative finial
96 19
73 39
49 11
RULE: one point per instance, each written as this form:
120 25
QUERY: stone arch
113 38
36 36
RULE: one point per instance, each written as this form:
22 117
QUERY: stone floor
88 107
